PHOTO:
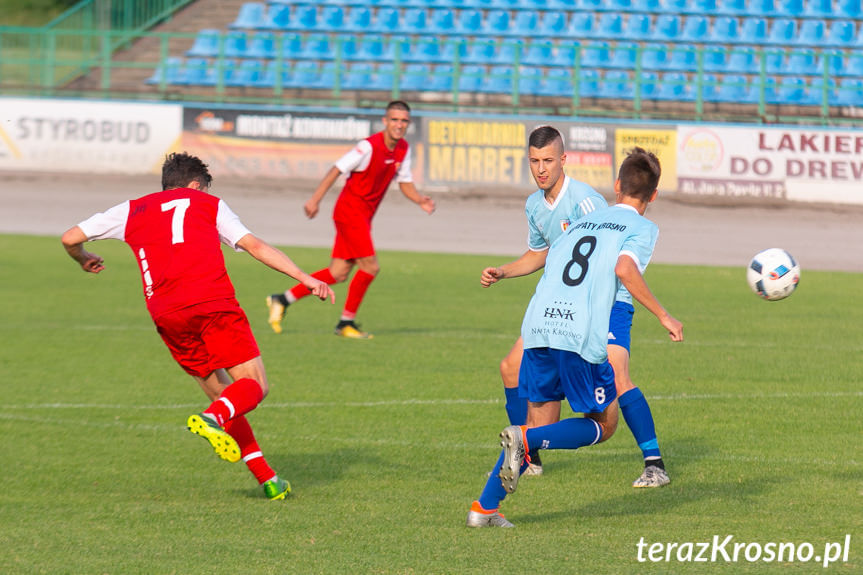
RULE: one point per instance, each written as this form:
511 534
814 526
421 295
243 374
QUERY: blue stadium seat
530 80
774 59
765 90
359 19
553 24
709 88
724 31
373 48
249 73
567 52
624 56
818 90
732 89
782 31
480 51
292 46
386 20
424 49
471 78
557 84
791 90
789 8
303 18
235 44
206 44
666 28
695 29
317 47
848 9
638 26
262 45
819 9
587 84
704 6
172 70
509 51
850 92
853 66
833 59
684 58
732 8
358 76
609 26
251 15
591 5
332 19
273 74
525 22
801 61
442 21
647 6
841 34
595 54
742 60
384 77
675 6
580 25
763 8
469 22
812 33
538 53
346 47
675 87
414 21
655 57
753 30
615 84
278 17
200 72
496 23
415 77
647 86
715 58
440 78
303 74
499 80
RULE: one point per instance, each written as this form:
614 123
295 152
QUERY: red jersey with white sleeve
176 237
372 167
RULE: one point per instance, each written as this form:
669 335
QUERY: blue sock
569 433
516 407
637 415
493 492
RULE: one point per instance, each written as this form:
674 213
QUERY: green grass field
388 441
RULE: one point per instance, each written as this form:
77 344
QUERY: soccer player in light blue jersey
557 203
544 211
565 329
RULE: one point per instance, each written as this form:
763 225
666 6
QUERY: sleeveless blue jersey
573 299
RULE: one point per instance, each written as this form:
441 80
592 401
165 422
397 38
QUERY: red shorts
353 239
208 336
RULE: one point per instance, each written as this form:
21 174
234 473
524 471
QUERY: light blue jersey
547 222
574 297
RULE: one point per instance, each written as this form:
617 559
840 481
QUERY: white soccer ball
773 274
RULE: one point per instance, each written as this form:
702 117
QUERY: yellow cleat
277 313
224 445
352 332
277 489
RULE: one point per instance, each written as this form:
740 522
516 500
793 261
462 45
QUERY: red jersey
176 236
373 167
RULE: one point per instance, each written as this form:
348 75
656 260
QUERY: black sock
280 297
344 322
656 462
534 457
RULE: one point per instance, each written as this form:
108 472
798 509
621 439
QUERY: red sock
356 292
238 399
300 291
239 429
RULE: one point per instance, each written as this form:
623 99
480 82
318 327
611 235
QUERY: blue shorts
620 324
553 374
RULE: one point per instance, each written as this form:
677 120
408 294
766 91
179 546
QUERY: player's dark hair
639 174
544 136
398 105
180 169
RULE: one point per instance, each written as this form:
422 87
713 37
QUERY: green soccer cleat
277 488
224 445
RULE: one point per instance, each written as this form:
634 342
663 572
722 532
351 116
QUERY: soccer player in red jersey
176 236
372 164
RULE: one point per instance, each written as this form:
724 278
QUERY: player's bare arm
529 262
411 193
279 261
312 206
629 274
73 240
